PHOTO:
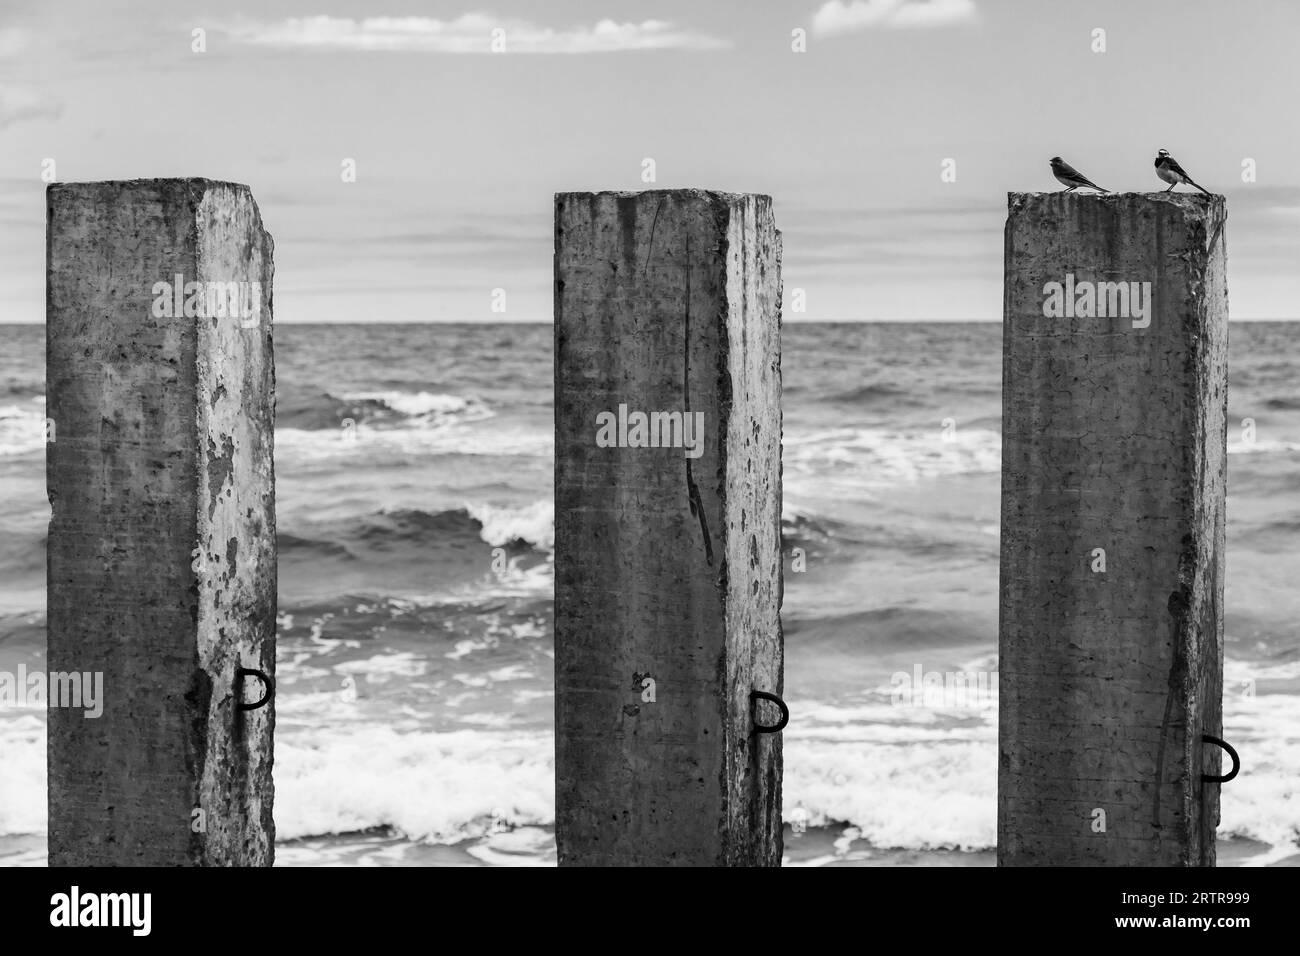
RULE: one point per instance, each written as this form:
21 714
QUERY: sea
415 648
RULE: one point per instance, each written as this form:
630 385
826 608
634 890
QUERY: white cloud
840 17
470 33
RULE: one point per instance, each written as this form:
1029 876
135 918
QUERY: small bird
1167 168
1071 177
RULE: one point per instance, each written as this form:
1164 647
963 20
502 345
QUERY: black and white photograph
650 433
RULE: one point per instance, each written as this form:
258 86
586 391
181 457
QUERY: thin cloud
18 104
838 17
470 33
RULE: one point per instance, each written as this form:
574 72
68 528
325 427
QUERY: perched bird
1069 176
1167 168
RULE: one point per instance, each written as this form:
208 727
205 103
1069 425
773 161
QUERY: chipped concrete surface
163 460
667 565
1114 437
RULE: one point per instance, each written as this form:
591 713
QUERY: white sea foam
502 524
889 456
906 777
525 846
435 786
372 444
22 784
1262 446
22 429
381 667
435 404
538 580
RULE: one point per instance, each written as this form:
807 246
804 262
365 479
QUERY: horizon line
784 322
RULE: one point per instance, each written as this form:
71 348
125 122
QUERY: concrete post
1114 409
668 568
162 573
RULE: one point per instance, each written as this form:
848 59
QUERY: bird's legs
1171 187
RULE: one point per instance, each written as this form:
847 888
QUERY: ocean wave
533 524
413 555
367 445
299 409
425 404
529 525
22 785
408 533
440 787
1263 446
907 777
32 391
22 428
875 394
911 778
800 529
887 456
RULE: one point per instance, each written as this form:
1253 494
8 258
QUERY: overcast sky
459 149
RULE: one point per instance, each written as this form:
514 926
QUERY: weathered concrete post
668 528
1114 395
162 569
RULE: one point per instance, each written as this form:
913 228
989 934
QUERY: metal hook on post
757 695
1236 761
267 682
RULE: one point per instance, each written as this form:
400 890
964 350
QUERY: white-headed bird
1167 168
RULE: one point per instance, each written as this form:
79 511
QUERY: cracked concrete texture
1114 437
667 300
161 544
